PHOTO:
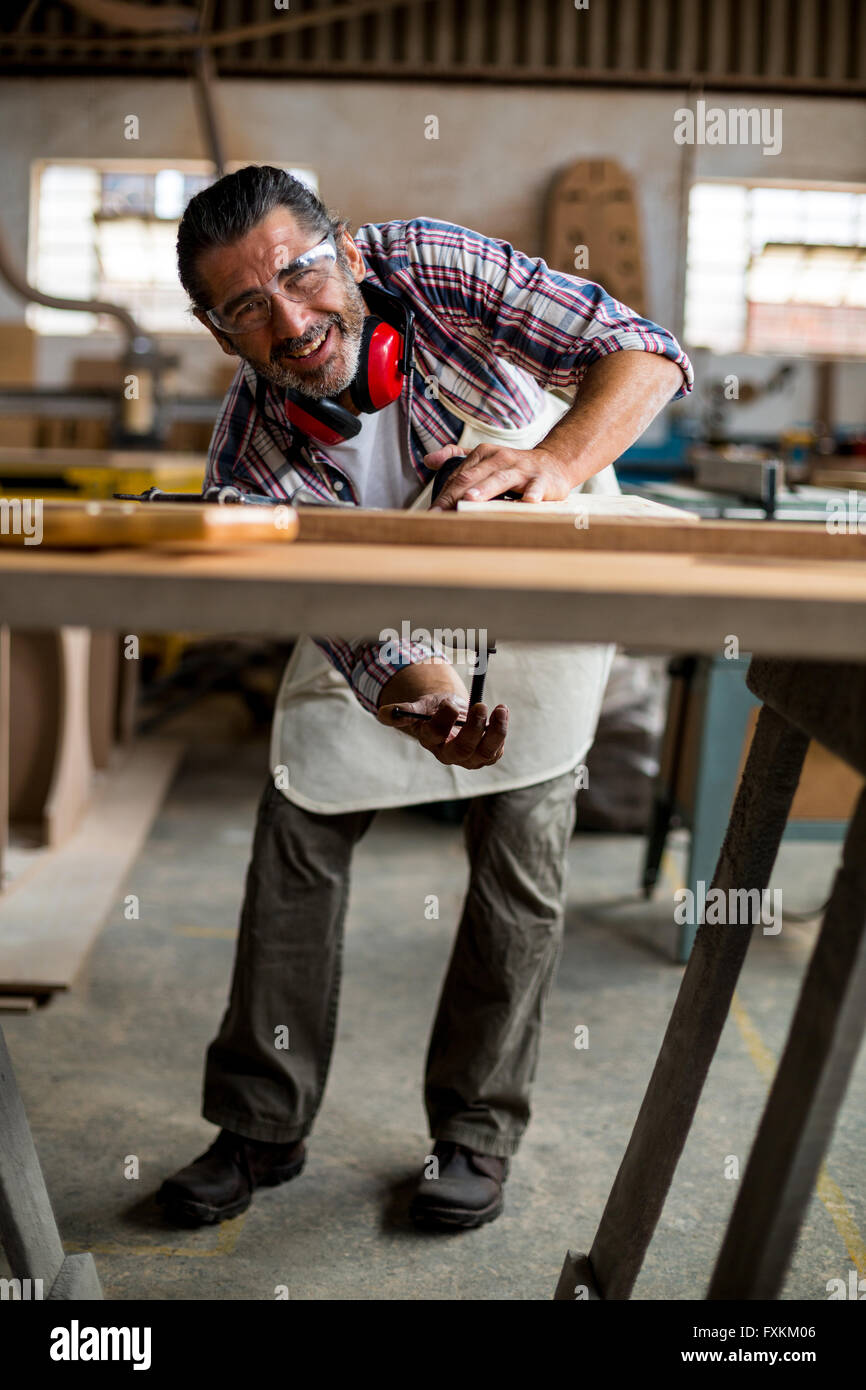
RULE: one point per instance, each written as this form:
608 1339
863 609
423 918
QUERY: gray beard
332 380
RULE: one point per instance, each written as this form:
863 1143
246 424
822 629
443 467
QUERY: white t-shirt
377 460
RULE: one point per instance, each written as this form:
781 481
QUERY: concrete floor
113 1069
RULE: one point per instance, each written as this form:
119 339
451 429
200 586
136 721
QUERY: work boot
467 1192
220 1183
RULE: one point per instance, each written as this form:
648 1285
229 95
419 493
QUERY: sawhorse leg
748 854
28 1231
808 1088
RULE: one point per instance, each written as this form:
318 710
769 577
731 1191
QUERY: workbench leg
28 1231
681 672
725 718
746 861
806 1094
5 734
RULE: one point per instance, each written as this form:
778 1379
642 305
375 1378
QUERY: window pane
110 234
749 259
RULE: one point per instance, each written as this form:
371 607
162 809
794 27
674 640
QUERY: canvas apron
328 754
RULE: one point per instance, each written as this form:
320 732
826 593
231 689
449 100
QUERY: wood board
605 523
50 918
666 532
588 504
663 602
136 460
94 525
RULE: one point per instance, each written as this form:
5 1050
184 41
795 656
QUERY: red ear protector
384 362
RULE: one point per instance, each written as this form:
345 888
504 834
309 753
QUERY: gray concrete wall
490 169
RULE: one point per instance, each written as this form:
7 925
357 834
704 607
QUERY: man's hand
491 469
435 688
619 395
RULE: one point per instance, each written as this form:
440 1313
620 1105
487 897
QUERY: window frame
750 184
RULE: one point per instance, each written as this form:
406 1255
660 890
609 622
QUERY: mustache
292 345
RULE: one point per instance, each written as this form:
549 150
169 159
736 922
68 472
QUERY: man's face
331 323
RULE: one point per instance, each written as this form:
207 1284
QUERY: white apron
329 754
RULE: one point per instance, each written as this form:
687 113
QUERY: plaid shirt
493 328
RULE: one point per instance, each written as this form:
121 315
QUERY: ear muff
379 379
324 420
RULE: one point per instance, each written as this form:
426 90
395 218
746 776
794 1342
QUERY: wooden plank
72 767
108 524
17 1003
29 1232
134 459
806 21
840 477
837 38
405 567
628 19
49 922
527 529
776 36
588 505
681 603
17 353
595 20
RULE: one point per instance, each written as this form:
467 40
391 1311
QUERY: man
282 285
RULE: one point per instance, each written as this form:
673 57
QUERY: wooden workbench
688 588
681 601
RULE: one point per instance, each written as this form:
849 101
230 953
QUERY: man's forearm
619 396
430 677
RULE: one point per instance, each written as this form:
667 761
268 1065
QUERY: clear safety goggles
300 282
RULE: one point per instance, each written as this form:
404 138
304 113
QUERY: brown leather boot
467 1192
220 1183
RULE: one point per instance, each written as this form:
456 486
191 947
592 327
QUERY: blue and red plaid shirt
493 329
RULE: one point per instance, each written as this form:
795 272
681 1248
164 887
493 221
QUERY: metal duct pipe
20 285
138 422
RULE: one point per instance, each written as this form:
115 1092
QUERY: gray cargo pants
483 1050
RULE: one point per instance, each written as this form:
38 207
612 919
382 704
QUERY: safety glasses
301 282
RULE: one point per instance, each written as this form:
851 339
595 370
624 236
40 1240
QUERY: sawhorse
801 701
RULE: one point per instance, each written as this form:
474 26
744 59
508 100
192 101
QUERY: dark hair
231 207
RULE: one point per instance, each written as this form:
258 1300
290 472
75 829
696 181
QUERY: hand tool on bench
215 493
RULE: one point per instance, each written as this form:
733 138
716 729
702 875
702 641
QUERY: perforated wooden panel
798 45
592 228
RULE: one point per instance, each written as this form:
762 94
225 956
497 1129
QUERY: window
107 230
775 268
